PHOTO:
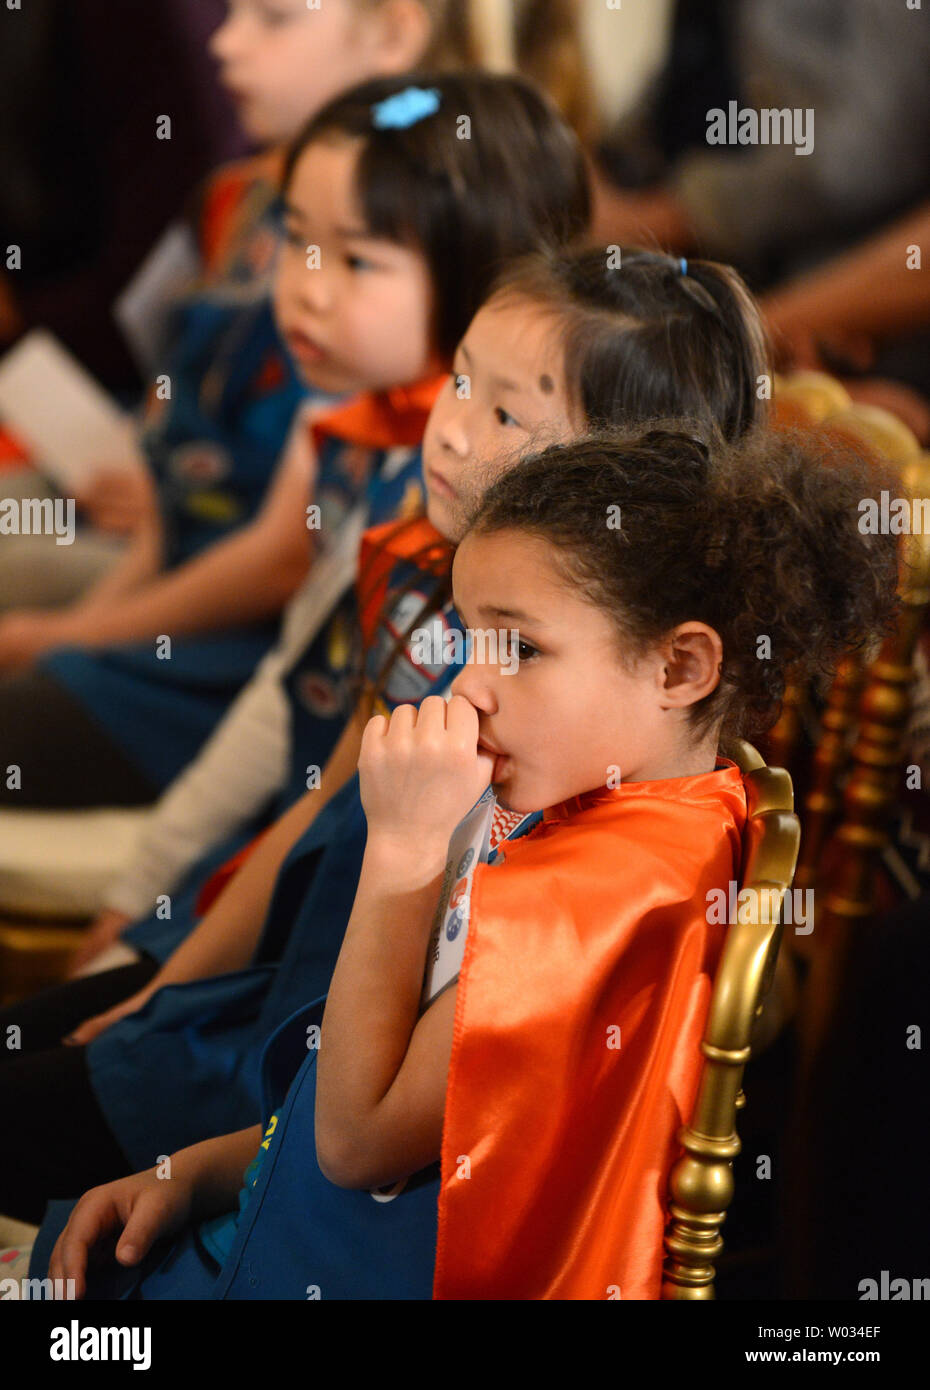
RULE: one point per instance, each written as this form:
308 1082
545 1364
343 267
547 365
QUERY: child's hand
120 499
26 634
145 1206
422 771
85 1033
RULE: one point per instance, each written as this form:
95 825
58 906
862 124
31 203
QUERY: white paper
70 424
143 310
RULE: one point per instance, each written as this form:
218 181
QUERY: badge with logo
321 696
469 846
200 463
410 679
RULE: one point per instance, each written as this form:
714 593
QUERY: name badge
469 846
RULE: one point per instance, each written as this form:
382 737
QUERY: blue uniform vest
299 1236
212 448
208 1036
160 712
322 685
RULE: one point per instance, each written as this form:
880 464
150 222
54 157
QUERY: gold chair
33 956
802 399
894 442
875 784
877 428
846 891
814 395
701 1181
783 740
862 693
854 779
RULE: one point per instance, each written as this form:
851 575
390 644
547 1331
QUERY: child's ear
691 662
401 31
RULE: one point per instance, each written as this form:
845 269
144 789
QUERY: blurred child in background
218 527
412 225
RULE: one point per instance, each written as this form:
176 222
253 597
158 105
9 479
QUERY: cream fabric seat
16 1233
58 864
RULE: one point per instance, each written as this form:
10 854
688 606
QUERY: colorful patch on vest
271 375
340 645
200 463
319 695
219 508
355 463
410 680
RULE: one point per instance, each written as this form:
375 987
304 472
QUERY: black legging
66 758
45 1018
57 1142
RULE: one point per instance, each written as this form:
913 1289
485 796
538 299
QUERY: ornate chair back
701 1182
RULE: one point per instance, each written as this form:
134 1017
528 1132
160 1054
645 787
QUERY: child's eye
293 238
504 417
525 651
359 263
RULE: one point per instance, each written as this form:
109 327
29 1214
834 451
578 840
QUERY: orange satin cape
582 999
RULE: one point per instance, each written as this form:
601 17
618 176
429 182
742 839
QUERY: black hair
647 335
494 173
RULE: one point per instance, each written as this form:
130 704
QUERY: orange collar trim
695 786
383 419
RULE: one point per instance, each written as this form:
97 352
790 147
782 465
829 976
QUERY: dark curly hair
757 539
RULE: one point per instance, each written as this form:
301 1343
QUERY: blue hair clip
405 108
683 265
